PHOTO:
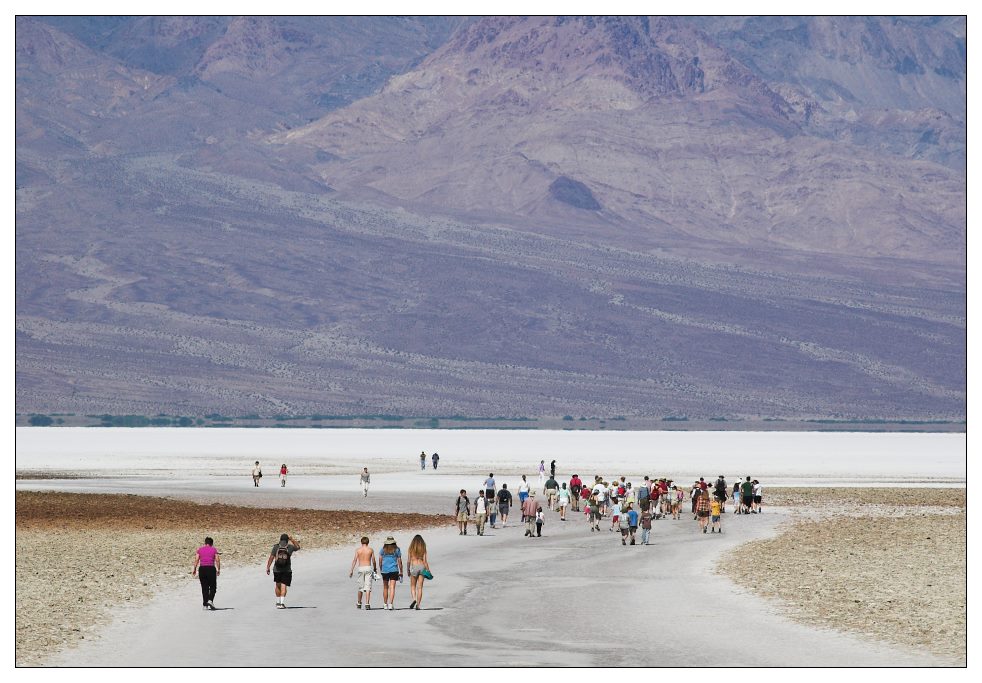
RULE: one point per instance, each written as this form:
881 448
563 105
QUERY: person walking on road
366 479
461 509
489 487
480 512
758 496
575 488
542 473
523 493
624 525
419 562
551 490
422 460
207 567
504 503
563 502
390 557
715 510
736 498
645 526
529 508
703 508
632 522
721 493
257 474
747 496
540 519
283 473
280 559
436 460
364 560
596 514
552 469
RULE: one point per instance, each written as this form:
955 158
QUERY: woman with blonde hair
418 563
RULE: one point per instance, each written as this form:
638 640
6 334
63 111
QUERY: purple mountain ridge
736 217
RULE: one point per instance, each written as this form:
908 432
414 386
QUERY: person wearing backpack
645 526
504 504
721 493
462 508
257 474
575 488
280 560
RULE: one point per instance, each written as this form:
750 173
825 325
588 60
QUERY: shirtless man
365 561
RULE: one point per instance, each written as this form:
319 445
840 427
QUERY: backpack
282 557
643 492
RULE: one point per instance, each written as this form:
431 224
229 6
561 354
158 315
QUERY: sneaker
412 604
281 605
358 605
623 542
212 606
204 607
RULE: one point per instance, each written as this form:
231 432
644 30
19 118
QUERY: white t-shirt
523 487
481 505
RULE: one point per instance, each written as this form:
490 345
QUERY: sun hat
389 540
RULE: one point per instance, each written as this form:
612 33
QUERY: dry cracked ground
888 563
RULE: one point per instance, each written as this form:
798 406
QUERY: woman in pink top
207 566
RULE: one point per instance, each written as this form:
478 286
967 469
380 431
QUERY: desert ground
831 575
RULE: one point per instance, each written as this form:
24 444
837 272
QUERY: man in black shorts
279 560
504 502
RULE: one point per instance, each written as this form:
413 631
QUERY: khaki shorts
364 579
461 516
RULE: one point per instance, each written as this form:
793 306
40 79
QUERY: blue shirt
632 517
389 561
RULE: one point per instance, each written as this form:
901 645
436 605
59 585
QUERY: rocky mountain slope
656 126
704 217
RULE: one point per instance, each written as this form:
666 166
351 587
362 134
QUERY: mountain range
749 217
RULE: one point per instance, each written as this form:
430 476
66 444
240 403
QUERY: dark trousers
208 577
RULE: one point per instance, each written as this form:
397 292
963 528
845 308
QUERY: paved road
570 598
